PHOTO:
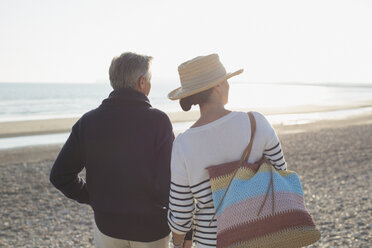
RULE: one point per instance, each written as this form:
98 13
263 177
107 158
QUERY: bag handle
244 157
253 132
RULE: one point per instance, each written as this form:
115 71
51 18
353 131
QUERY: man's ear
140 86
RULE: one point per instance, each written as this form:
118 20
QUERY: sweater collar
128 95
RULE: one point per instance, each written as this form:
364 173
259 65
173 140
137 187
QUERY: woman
218 136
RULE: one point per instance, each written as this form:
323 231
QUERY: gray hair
126 69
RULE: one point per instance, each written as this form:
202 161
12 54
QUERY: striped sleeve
272 148
273 152
204 233
181 201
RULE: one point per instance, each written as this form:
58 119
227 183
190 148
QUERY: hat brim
180 92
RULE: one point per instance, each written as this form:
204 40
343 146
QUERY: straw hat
199 74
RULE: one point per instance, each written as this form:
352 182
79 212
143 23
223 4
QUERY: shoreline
61 125
37 153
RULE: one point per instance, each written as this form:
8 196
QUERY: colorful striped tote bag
259 206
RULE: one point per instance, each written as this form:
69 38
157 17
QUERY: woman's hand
187 244
179 239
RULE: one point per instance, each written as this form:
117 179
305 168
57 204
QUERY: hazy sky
273 40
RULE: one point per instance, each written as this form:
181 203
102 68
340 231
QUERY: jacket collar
128 96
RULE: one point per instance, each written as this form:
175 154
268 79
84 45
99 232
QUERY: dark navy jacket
125 146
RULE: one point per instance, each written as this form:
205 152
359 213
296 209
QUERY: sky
272 40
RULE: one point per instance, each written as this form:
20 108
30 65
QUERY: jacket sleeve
65 171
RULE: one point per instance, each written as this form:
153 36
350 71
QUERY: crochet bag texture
259 206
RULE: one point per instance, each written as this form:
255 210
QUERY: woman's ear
218 89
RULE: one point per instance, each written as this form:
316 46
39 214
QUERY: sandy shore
333 159
32 127
59 125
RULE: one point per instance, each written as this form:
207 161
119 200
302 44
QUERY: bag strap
248 150
244 157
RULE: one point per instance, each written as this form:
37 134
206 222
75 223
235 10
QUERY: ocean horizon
37 101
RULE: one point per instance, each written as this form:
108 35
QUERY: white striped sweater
221 141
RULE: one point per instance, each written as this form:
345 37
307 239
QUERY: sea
37 101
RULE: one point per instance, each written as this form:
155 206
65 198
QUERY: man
125 146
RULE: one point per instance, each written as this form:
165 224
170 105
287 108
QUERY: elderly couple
141 183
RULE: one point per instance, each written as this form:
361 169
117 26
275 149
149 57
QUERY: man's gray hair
126 69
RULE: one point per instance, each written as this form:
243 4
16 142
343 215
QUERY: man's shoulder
89 114
158 115
151 115
86 117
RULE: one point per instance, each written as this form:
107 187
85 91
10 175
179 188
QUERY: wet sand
333 159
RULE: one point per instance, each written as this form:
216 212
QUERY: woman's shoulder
259 117
261 121
216 124
178 138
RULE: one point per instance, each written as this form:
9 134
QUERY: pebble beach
334 162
